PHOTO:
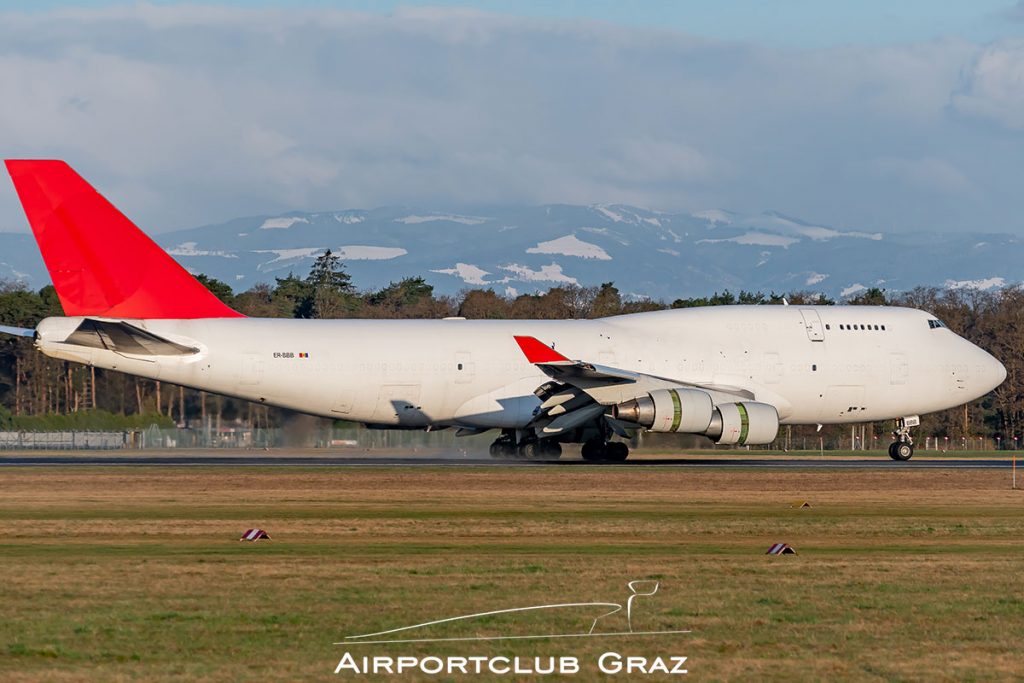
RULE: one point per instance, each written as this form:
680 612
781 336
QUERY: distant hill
522 249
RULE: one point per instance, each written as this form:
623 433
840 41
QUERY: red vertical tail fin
100 262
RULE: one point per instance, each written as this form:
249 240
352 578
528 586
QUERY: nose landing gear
903 447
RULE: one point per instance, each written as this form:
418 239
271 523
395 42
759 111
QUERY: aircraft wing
575 372
608 385
578 386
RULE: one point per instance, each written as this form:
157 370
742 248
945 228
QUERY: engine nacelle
669 410
744 423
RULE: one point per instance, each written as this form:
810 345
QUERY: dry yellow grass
136 573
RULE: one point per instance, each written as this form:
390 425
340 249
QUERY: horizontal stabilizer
121 337
17 331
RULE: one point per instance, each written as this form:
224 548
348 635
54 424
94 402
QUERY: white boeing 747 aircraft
733 373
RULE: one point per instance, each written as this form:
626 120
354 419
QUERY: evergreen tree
293 297
331 287
218 288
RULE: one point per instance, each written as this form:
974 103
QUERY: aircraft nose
998 372
992 372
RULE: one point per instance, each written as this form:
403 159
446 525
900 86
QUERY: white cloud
814 278
1014 12
853 289
192 114
927 174
993 86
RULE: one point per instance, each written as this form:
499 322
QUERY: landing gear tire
593 451
616 451
604 451
540 450
503 448
901 451
552 450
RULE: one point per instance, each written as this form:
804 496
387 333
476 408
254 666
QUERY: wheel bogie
540 449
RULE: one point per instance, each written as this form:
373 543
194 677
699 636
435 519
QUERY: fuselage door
772 368
898 369
812 321
252 369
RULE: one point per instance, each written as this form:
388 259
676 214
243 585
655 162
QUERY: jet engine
691 411
744 423
669 410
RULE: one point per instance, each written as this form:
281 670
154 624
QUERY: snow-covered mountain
519 250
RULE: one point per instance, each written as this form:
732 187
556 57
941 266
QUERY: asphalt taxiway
458 460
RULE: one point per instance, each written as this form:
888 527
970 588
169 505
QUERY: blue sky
793 23
875 116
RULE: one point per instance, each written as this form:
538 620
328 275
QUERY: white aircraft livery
732 373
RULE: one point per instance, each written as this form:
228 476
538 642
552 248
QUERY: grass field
137 573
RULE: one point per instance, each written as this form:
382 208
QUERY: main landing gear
527 448
598 450
903 447
513 445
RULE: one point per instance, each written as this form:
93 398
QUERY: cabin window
862 327
883 328
460 366
814 368
827 326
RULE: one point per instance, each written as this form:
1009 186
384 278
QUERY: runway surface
456 461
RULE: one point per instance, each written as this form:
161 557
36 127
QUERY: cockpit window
935 324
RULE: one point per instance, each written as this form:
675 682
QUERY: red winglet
99 261
537 351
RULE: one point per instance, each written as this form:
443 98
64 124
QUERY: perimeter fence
359 438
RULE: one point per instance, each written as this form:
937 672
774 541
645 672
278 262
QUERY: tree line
37 392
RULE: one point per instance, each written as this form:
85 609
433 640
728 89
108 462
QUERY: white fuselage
826 364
